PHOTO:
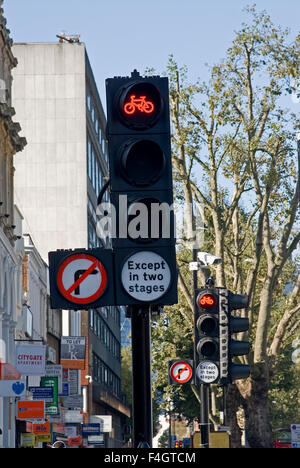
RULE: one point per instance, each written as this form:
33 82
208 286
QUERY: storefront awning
8 372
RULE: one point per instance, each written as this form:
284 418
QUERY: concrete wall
48 94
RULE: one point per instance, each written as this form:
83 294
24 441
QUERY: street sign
90 429
81 278
105 422
146 276
31 409
12 388
180 372
295 435
207 372
73 352
96 440
42 393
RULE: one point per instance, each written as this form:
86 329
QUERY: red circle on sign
177 377
67 293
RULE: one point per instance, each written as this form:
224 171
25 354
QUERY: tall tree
235 157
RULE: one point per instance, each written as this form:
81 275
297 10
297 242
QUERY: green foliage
284 394
234 154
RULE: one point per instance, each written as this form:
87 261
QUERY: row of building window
93 167
93 239
111 311
105 376
95 120
103 332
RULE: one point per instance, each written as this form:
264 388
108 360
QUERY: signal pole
204 388
204 415
141 376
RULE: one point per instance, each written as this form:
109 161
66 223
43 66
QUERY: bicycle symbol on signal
138 104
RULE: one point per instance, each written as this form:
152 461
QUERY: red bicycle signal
138 104
206 301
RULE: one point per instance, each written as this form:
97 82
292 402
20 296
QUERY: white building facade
11 249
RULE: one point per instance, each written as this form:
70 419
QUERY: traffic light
206 326
141 190
229 325
214 326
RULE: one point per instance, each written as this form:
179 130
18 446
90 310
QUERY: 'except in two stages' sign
146 276
81 279
207 372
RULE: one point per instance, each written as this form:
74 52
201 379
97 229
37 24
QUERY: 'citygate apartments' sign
31 359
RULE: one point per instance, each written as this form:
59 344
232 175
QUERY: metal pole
204 415
204 388
141 377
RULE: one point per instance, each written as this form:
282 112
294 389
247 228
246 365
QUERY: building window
93 167
105 376
104 334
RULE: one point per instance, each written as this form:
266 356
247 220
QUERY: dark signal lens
142 162
207 347
207 324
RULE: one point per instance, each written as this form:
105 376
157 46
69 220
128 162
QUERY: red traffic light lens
207 301
140 105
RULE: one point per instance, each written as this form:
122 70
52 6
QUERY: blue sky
121 35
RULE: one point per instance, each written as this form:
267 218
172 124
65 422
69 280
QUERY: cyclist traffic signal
206 326
214 326
141 190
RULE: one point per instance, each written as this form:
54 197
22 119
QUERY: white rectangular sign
295 435
31 359
73 416
12 388
104 421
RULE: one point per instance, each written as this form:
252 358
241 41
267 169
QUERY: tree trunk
256 407
232 404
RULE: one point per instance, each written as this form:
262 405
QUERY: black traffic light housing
141 189
214 326
230 325
206 328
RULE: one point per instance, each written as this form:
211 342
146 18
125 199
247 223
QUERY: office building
57 183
